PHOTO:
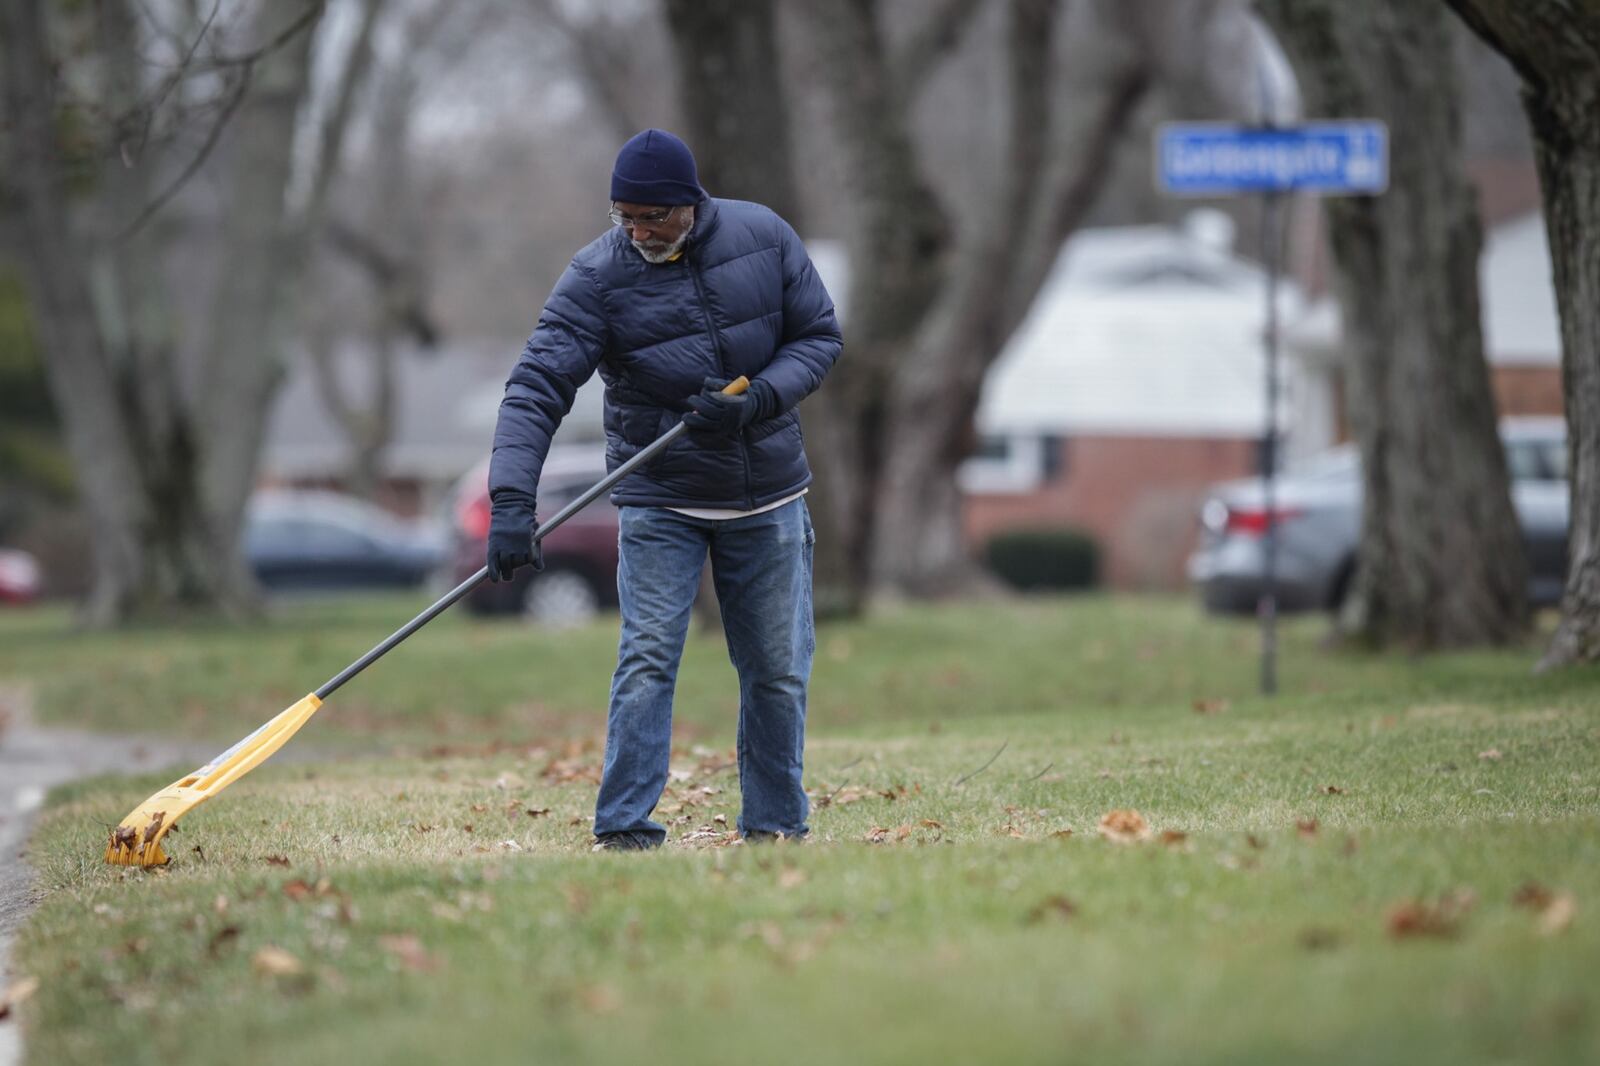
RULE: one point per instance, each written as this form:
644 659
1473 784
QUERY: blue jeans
761 566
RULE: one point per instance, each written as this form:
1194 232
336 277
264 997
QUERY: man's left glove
511 543
714 411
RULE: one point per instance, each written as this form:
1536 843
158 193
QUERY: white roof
1138 331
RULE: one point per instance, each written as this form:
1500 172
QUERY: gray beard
661 254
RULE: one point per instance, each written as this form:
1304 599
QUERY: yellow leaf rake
136 841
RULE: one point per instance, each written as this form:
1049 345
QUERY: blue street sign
1331 158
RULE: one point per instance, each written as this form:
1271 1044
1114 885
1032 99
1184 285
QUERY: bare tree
935 292
1555 49
1440 562
164 429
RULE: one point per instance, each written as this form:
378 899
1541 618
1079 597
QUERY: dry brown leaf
1307 828
1124 826
226 935
297 890
1333 790
1532 895
537 812
277 860
902 832
409 950
1210 706
275 962
876 835
1558 915
1174 838
479 808
1053 906
1491 755
124 836
1419 918
929 823
1061 834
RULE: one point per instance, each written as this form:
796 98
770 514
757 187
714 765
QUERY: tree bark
1440 562
1556 52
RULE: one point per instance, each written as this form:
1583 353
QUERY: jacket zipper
716 349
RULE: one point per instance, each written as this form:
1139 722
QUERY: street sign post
1343 158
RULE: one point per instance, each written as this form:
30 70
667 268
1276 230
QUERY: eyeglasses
649 218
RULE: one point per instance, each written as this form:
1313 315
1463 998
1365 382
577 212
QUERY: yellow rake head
137 840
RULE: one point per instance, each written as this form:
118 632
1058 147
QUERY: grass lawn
1395 860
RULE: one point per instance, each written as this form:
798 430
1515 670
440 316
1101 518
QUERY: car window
1555 459
1524 462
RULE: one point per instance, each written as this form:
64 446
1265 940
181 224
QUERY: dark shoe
763 836
625 841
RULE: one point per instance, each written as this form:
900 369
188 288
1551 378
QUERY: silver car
1318 519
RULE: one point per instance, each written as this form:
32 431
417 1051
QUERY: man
685 294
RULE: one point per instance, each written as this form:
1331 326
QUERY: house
1137 379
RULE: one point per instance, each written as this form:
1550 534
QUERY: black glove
714 411
511 543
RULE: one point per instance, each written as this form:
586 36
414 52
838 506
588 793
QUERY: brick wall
1139 497
1527 390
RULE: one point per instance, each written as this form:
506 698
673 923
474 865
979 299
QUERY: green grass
979 930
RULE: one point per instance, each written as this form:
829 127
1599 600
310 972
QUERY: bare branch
598 65
933 40
173 80
173 188
336 121
246 66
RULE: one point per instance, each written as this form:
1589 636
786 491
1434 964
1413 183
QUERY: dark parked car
1318 517
325 540
579 579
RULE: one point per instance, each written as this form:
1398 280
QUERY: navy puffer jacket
742 299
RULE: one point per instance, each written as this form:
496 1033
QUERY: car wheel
561 598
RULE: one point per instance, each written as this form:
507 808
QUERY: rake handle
650 451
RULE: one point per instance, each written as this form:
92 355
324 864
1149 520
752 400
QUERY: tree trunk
1440 562
1556 51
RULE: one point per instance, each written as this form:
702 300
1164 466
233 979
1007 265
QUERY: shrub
1044 558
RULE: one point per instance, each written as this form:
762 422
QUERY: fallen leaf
479 808
1210 706
876 835
1254 841
198 850
157 819
509 845
1533 895
226 935
791 877
277 860
599 999
902 832
929 823
1124 826
1419 918
1333 790
19 993
409 950
1056 906
275 962
297 890
124 836
537 812
1061 834
720 819
1173 838
1307 828
1558 915
1491 755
